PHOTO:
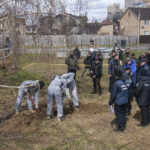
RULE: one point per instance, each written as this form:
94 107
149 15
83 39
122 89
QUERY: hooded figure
71 84
33 90
55 90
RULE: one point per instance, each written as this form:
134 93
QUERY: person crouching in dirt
32 93
143 97
87 62
96 73
71 84
119 97
55 90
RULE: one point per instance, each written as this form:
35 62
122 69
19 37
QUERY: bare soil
90 128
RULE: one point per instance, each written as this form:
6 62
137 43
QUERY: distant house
32 29
62 24
135 21
107 27
11 23
92 28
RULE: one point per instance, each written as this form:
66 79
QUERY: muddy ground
90 128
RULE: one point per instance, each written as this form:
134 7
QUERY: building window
146 32
146 22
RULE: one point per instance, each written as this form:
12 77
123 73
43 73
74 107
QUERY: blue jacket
119 94
132 65
112 66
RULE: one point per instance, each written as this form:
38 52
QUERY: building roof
92 28
144 12
107 22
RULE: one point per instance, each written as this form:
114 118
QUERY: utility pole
139 26
139 18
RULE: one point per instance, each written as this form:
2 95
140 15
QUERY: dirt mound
26 121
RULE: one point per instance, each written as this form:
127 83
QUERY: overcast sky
98 8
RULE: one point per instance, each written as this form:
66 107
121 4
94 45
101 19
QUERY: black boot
145 116
120 129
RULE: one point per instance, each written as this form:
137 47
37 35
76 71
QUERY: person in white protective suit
31 89
55 90
71 84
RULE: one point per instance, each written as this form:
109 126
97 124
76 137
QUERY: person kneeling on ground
32 92
55 90
119 97
71 84
143 97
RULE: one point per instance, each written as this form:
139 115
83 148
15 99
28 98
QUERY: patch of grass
19 77
52 147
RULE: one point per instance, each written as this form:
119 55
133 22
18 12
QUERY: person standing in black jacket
88 63
129 76
77 52
96 73
143 97
99 56
120 54
114 64
72 63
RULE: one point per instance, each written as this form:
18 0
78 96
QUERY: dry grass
90 128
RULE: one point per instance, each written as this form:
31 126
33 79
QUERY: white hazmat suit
71 84
33 91
55 90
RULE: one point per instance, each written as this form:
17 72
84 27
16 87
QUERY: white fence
81 40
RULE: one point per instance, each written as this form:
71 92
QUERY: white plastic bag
111 109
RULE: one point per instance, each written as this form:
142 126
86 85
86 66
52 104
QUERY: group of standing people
129 77
93 63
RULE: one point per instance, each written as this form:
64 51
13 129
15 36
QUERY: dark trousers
145 116
120 112
129 105
111 82
85 69
96 84
74 71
